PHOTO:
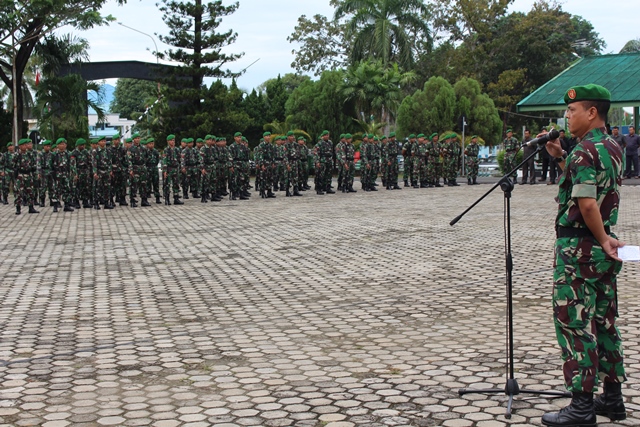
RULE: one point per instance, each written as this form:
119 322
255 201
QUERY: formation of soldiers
206 168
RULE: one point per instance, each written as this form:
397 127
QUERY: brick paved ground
338 310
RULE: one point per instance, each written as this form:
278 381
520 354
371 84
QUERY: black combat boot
296 193
68 208
32 210
185 194
216 198
241 196
5 200
406 183
319 191
474 181
579 413
454 183
177 201
55 207
123 202
76 204
396 187
414 184
282 187
145 203
351 190
469 181
270 194
167 201
610 403
263 194
158 201
109 206
224 193
438 184
133 203
329 190
18 210
196 195
42 201
373 188
423 185
203 199
344 189
288 193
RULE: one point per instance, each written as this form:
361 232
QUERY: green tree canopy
432 109
133 96
482 115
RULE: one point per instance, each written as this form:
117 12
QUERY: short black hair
602 107
615 127
631 126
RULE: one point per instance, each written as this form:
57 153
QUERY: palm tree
376 91
386 30
281 128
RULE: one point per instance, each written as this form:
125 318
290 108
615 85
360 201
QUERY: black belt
577 232
26 170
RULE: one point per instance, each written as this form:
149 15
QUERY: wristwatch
561 158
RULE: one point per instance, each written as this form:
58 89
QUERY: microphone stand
511 388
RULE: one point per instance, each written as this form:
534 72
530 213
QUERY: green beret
189 140
301 138
60 141
184 140
341 135
290 133
413 135
48 142
170 137
266 134
324 132
375 138
129 140
588 92
421 135
94 141
102 138
474 136
392 134
24 141
509 130
245 139
150 140
383 137
135 135
80 141
116 136
199 140
348 136
433 135
208 136
237 134
9 144
370 136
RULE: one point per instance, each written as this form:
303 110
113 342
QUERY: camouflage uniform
292 172
63 171
6 172
420 167
171 159
137 160
303 165
472 161
390 156
451 160
189 164
323 157
345 152
434 162
101 166
408 162
120 169
282 163
585 305
367 168
264 156
46 181
236 178
84 178
153 158
223 167
25 168
511 147
208 166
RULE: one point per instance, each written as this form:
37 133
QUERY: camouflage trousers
245 170
236 178
293 174
119 184
83 185
510 162
408 169
222 174
46 185
172 182
6 182
24 189
391 172
139 181
303 171
320 178
585 308
450 168
368 174
472 167
280 174
264 177
62 188
102 188
191 179
434 171
208 181
153 180
348 170
420 170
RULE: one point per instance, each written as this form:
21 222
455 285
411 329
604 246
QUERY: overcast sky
264 25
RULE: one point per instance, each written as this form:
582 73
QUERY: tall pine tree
192 31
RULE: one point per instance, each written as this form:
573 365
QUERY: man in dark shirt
631 151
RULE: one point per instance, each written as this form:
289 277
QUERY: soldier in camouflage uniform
390 156
434 161
408 160
6 172
137 161
245 165
24 165
293 174
279 161
323 153
419 152
171 159
450 159
367 157
208 157
224 167
303 164
120 171
101 166
198 148
337 161
46 178
189 165
472 161
236 178
511 148
264 156
63 170
153 179
84 174
377 155
345 153
585 301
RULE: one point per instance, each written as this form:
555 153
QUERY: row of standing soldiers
427 159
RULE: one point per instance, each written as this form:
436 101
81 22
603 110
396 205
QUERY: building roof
618 73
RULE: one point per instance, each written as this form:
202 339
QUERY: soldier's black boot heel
67 208
18 210
270 194
158 201
177 201
32 210
55 207
145 203
133 203
579 413
610 403
96 207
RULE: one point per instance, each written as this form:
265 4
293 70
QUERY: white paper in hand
629 253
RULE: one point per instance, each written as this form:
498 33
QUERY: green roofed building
620 74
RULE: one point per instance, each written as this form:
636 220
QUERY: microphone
543 139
